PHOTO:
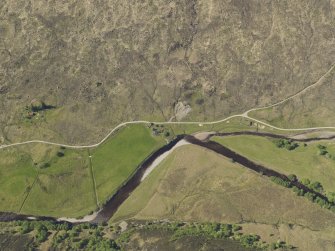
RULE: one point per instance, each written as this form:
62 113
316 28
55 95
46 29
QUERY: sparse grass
300 237
114 161
304 161
143 194
195 184
312 108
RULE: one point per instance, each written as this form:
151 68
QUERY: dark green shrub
249 240
60 154
316 186
309 196
306 182
298 191
280 181
292 177
322 152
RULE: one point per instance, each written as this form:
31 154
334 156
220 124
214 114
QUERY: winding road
242 115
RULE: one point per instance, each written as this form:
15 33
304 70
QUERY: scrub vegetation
103 64
165 235
312 108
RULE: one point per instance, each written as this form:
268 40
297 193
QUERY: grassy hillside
304 161
195 184
98 64
312 108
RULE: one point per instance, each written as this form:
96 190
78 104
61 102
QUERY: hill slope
100 63
194 184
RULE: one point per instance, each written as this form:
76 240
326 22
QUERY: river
154 159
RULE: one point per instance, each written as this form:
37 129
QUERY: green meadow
304 161
55 181
114 161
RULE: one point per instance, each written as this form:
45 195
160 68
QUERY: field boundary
93 178
28 193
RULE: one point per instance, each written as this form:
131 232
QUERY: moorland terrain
95 65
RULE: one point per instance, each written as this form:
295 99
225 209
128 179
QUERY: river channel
154 159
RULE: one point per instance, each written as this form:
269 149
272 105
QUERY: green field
114 161
63 189
17 174
35 180
304 161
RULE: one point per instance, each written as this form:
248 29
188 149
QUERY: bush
292 146
331 197
298 191
305 182
322 152
200 101
280 143
64 226
44 165
321 202
26 227
329 156
316 186
236 228
42 233
288 144
249 240
280 181
292 177
60 237
309 196
60 154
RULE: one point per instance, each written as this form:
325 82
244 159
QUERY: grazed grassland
114 161
64 188
304 161
54 181
195 184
